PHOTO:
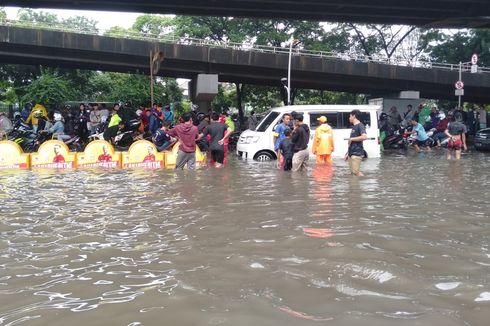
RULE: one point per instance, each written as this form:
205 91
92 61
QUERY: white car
258 144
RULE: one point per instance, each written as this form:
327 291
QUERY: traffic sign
474 69
474 59
459 92
459 84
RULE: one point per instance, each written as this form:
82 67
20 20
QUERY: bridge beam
62 49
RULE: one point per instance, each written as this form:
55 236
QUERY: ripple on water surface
248 244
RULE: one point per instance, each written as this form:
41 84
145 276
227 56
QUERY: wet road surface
249 245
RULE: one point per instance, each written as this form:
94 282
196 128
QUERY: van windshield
266 122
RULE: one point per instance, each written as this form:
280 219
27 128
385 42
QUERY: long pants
164 146
324 159
300 160
184 158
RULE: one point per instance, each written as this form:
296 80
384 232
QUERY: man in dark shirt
300 139
219 132
358 134
111 132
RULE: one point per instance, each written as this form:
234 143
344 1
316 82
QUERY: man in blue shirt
422 138
161 139
168 114
280 129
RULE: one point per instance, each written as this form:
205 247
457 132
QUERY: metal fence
252 47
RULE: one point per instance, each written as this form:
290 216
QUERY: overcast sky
106 19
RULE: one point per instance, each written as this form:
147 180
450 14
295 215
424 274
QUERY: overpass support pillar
203 89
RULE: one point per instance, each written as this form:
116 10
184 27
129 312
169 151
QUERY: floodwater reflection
248 244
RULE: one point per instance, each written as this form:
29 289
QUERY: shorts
355 164
455 144
218 155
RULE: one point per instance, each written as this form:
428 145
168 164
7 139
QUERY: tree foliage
460 46
33 16
155 25
408 43
81 23
136 88
49 89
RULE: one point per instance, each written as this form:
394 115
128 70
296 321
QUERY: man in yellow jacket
323 142
37 111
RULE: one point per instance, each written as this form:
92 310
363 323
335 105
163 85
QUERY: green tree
3 14
262 98
49 89
407 43
135 88
226 98
460 46
155 25
81 23
37 17
117 31
19 76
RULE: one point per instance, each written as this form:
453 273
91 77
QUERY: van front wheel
264 157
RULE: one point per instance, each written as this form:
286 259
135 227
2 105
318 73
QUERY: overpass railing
173 39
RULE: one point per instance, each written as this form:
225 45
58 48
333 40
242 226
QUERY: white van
259 143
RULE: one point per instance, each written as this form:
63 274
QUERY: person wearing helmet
440 133
58 128
38 112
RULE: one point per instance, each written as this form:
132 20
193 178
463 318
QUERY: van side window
332 119
365 119
266 122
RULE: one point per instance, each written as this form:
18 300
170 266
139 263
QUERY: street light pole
459 97
289 70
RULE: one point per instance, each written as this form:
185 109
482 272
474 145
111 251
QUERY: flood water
408 244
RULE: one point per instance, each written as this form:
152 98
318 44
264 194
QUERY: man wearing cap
300 139
323 142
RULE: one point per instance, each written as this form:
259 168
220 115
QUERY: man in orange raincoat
323 142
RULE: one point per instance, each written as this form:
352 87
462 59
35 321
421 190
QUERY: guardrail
172 39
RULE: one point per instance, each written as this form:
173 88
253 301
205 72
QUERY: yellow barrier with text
99 154
53 154
171 156
12 156
143 154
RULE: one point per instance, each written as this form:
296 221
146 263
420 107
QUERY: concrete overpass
73 50
424 13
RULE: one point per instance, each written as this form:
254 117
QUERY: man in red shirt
187 134
150 157
58 158
440 133
105 157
